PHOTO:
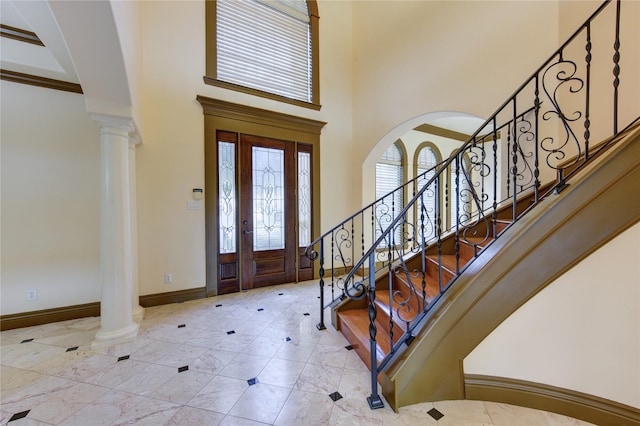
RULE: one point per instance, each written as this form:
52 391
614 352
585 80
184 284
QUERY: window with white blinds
389 177
265 45
426 160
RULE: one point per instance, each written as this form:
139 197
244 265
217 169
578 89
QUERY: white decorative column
138 311
116 322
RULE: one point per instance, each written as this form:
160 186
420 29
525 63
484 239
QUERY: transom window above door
266 48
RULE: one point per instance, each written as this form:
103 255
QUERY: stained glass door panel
268 212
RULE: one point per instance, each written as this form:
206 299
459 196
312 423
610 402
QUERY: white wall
171 159
580 333
50 199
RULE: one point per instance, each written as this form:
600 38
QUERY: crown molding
34 80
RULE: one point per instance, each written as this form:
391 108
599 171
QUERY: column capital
118 126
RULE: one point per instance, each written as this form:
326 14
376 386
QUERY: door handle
246 232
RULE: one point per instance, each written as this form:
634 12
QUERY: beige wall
580 333
50 199
414 58
170 161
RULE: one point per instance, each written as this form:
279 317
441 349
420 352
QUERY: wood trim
45 316
34 80
259 116
442 132
261 93
172 297
19 34
541 396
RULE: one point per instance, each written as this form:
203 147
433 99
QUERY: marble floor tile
305 408
471 412
332 356
53 399
27 355
150 412
195 416
148 380
182 387
238 421
295 351
200 375
319 379
104 410
220 394
281 372
14 379
212 361
245 366
264 346
261 403
348 412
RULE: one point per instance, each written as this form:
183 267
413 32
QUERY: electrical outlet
32 295
168 278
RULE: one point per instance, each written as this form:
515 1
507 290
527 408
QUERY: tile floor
252 358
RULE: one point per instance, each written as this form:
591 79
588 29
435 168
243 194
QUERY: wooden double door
264 211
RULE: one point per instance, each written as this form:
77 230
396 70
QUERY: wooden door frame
227 116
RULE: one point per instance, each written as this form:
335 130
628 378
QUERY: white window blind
389 177
426 161
265 45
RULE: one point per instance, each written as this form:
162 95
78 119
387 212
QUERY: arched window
426 158
264 47
390 176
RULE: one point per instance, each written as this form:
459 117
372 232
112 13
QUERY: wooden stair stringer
561 231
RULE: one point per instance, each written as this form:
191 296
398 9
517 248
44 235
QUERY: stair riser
433 271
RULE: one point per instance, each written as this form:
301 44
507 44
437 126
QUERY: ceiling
50 60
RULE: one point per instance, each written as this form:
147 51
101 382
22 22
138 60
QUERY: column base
138 313
108 338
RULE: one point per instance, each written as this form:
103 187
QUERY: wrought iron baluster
536 160
509 159
514 166
459 160
587 123
374 399
495 180
321 325
616 69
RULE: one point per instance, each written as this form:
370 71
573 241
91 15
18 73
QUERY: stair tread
357 320
400 314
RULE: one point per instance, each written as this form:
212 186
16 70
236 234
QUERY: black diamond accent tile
217 306
253 381
27 341
260 309
75 348
19 416
122 358
182 325
335 396
349 348
437 415
181 369
287 339
306 314
231 332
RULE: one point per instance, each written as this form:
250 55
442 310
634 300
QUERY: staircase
393 274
